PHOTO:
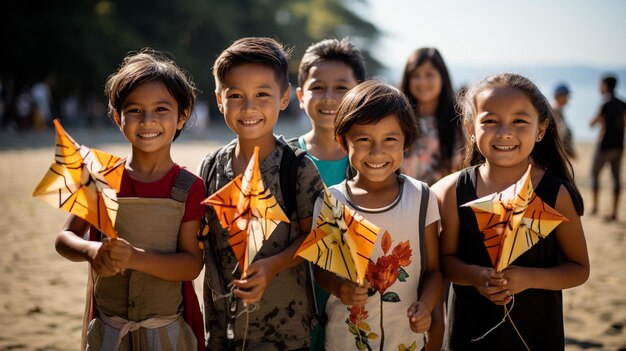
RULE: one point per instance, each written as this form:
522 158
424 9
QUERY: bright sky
511 32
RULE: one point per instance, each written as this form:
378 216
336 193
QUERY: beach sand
42 294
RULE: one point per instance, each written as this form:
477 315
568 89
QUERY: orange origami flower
83 181
248 210
341 242
513 220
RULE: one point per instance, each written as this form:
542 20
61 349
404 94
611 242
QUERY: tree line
76 44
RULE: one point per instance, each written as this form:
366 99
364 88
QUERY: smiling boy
252 87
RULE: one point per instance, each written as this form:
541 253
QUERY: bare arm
453 268
596 119
71 245
484 279
185 264
345 290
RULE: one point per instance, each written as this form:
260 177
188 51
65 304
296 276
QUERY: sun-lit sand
42 294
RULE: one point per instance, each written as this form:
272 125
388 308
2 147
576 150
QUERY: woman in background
437 150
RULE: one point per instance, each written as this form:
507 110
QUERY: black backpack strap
207 171
425 194
206 241
213 264
289 164
294 142
288 173
422 227
183 183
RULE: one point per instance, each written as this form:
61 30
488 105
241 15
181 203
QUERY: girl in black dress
509 126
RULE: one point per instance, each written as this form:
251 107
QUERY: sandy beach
42 294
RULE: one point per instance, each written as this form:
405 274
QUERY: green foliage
402 275
390 297
78 43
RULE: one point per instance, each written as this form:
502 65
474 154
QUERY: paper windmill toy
83 181
514 220
341 241
248 210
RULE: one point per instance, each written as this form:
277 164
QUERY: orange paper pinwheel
514 220
248 210
341 241
83 181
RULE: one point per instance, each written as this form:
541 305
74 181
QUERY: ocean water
583 82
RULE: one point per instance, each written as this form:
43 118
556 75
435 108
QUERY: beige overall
138 311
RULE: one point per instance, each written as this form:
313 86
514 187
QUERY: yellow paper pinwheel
83 181
514 220
341 242
248 210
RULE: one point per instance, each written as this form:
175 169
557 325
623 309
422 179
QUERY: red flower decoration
385 271
385 242
403 252
358 313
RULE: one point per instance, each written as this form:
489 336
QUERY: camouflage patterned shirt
282 319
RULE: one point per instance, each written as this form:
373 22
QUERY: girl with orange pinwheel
511 235
153 218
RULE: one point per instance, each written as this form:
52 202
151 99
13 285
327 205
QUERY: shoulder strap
207 170
183 183
422 227
295 142
465 185
191 308
288 173
289 164
207 241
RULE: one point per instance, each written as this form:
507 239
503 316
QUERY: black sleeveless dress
537 313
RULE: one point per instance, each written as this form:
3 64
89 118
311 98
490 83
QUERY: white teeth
149 135
376 165
249 123
505 147
328 112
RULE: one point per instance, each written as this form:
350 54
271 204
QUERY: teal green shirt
332 171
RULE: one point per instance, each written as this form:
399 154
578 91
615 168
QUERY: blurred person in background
561 97
611 142
437 150
42 113
24 108
201 118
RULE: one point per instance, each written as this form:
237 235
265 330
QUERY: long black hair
448 125
548 154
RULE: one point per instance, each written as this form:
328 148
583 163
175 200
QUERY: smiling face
376 150
321 93
149 118
506 126
425 83
251 99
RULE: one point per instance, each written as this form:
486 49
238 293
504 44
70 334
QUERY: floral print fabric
423 160
393 273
